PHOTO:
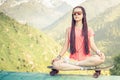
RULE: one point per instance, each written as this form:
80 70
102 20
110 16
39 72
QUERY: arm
65 47
94 47
66 44
92 44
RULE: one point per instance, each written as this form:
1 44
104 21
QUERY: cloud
15 3
48 3
74 3
2 1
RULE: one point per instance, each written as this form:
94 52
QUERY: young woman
80 39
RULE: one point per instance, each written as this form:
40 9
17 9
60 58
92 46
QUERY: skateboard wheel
54 72
57 71
97 74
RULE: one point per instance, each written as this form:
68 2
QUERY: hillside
23 48
95 7
58 26
107 29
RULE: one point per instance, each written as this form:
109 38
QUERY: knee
101 60
55 63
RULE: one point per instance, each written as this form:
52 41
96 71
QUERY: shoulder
68 29
90 31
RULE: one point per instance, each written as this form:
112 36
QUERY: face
77 14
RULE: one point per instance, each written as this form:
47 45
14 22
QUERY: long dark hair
84 32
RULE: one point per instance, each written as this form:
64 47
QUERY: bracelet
98 51
59 57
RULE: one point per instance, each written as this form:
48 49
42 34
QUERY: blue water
44 76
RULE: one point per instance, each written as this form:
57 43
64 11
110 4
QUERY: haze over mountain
34 12
107 29
96 7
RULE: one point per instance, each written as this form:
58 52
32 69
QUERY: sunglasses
77 13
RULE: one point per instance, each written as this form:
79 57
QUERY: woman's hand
102 56
56 59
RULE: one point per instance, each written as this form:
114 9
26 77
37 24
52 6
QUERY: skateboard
54 71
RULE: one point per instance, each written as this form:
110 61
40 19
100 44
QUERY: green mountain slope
23 48
107 29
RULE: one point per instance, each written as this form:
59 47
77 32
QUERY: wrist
59 56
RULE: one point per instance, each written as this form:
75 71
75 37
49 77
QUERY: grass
24 48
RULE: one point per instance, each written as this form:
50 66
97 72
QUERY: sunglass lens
77 13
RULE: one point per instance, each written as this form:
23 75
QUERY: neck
78 24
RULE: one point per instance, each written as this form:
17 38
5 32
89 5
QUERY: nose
76 14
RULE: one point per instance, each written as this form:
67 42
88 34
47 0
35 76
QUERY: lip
76 17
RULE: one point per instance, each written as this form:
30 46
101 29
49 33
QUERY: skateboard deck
54 71
89 68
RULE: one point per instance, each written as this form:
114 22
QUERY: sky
73 3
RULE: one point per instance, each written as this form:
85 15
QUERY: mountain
96 7
58 26
107 29
36 13
2 1
24 48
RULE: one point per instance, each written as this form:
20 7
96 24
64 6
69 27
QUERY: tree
116 69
